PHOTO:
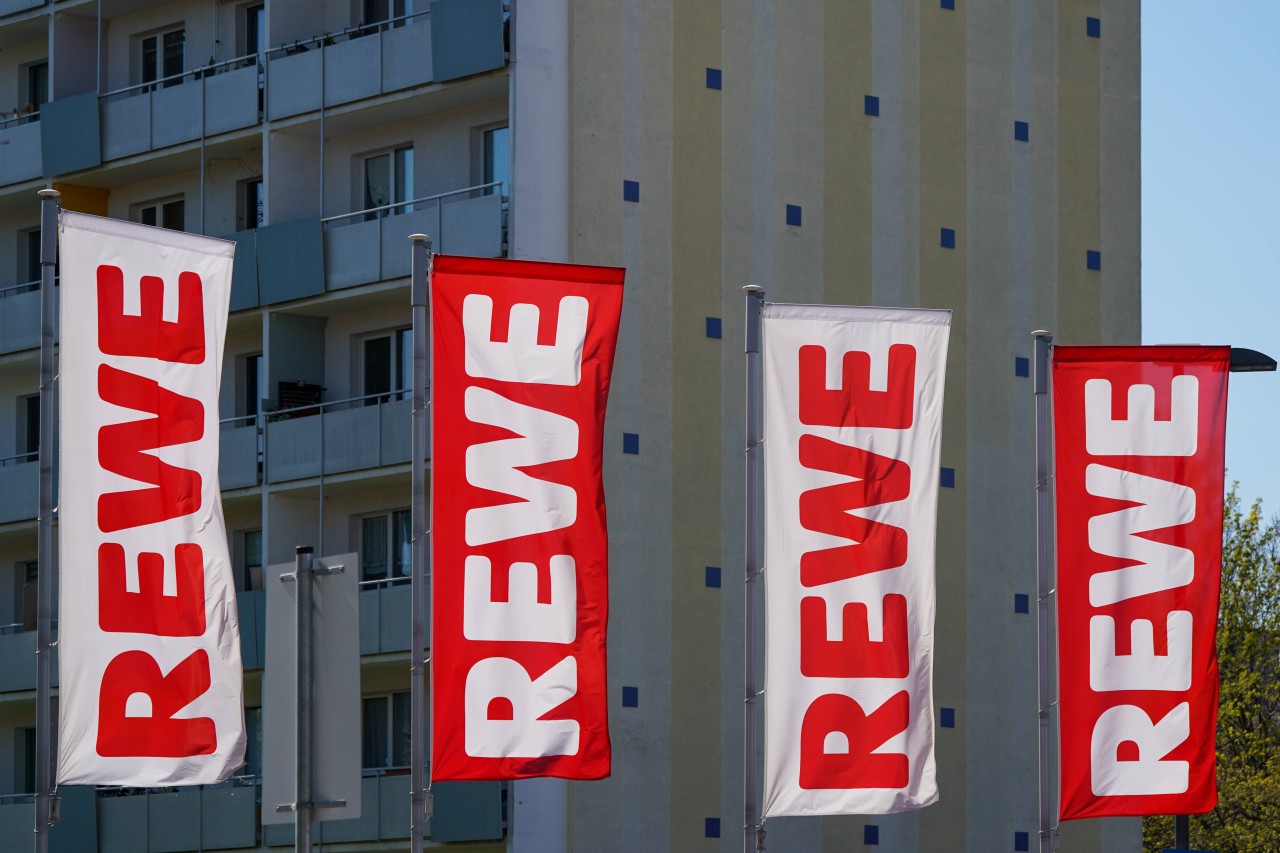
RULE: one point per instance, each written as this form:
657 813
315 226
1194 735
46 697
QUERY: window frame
159 78
161 207
396 171
389 577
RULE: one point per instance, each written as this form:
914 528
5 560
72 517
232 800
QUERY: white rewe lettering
495 466
1158 566
1142 668
1141 434
520 358
1148 773
504 709
521 617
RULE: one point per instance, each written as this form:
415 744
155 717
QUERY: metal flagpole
420 259
304 800
46 804
1044 585
752 828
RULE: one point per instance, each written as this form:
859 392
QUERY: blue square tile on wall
1022 841
871 835
713 576
630 190
713 327
631 442
713 78
1093 259
793 215
1021 366
949 4
1093 27
1021 131
1021 602
948 238
631 697
947 718
871 105
711 827
947 478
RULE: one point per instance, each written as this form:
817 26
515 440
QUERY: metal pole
45 801
1181 832
752 828
420 260
304 809
1044 584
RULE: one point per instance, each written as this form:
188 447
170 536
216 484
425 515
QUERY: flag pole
46 806
1044 585
420 260
753 828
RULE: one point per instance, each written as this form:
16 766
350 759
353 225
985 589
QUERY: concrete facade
716 168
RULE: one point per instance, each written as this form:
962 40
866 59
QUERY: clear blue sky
1211 205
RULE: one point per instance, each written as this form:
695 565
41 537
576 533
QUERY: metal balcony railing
345 34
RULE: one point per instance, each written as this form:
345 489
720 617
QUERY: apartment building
978 155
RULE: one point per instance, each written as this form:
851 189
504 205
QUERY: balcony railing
316 439
373 244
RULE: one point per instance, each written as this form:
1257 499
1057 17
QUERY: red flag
522 358
1139 466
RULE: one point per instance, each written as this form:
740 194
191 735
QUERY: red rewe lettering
879 480
122 450
150 611
837 740
855 404
855 654
147 335
138 704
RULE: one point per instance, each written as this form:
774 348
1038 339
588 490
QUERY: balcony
225 817
210 100
19 484
359 62
373 245
385 616
19 317
350 435
9 7
22 160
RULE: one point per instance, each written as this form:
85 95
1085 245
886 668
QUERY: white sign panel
853 408
148 641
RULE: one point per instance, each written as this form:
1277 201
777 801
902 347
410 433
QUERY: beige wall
716 169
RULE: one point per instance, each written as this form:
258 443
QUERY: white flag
853 407
149 647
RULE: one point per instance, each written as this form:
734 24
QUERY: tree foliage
1247 818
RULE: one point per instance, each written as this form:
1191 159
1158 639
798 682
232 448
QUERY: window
253 742
36 91
385 545
251 397
250 197
25 768
29 255
255 30
388 180
169 214
252 575
386 741
497 163
28 444
388 366
376 11
162 56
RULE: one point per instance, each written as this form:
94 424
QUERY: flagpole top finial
1041 333
49 193
753 288
419 238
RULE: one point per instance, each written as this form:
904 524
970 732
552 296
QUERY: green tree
1247 818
